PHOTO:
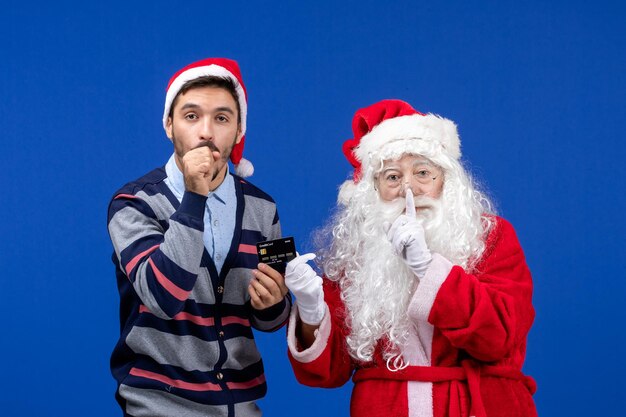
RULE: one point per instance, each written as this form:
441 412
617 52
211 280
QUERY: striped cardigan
186 338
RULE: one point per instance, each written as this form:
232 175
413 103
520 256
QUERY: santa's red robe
466 350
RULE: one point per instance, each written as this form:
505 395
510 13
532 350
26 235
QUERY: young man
427 298
190 285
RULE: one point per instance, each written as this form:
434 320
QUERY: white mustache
392 209
425 202
389 211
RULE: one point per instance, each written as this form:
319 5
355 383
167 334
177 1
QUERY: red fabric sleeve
333 367
490 312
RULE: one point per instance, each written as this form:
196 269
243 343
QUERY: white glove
306 285
407 238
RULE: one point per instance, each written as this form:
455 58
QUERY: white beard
430 212
376 285
377 294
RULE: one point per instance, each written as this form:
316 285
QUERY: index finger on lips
410 203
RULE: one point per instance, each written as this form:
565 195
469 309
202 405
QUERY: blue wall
538 92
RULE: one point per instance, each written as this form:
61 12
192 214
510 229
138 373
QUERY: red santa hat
390 128
219 67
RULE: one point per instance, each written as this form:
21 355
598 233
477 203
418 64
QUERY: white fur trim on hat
432 129
346 191
244 168
192 74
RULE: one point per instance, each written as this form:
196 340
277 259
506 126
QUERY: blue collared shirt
219 216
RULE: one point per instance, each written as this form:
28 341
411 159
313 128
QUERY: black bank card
276 253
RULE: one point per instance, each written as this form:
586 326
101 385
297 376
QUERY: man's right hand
407 238
306 285
198 167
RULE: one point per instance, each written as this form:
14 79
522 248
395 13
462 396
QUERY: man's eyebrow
226 109
189 106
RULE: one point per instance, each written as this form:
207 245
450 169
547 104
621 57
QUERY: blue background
537 90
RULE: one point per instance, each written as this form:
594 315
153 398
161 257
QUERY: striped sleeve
274 317
162 265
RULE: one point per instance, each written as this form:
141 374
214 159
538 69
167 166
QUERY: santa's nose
415 187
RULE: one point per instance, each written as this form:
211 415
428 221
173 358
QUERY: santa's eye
392 179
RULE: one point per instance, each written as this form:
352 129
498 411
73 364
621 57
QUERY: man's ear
239 135
168 127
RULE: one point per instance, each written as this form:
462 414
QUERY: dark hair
225 83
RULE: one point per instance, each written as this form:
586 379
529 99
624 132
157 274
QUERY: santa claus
426 297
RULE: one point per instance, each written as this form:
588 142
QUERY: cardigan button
220 376
220 289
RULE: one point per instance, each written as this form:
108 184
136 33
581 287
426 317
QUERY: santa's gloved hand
306 285
407 238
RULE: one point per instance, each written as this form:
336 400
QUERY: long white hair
376 285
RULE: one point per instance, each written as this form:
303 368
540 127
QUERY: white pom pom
244 168
346 191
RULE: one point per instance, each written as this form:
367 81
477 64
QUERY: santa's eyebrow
423 162
390 168
398 167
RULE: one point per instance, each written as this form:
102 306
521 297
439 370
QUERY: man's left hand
267 287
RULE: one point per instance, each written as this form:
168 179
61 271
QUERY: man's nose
206 129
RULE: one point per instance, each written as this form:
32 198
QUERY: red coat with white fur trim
467 347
